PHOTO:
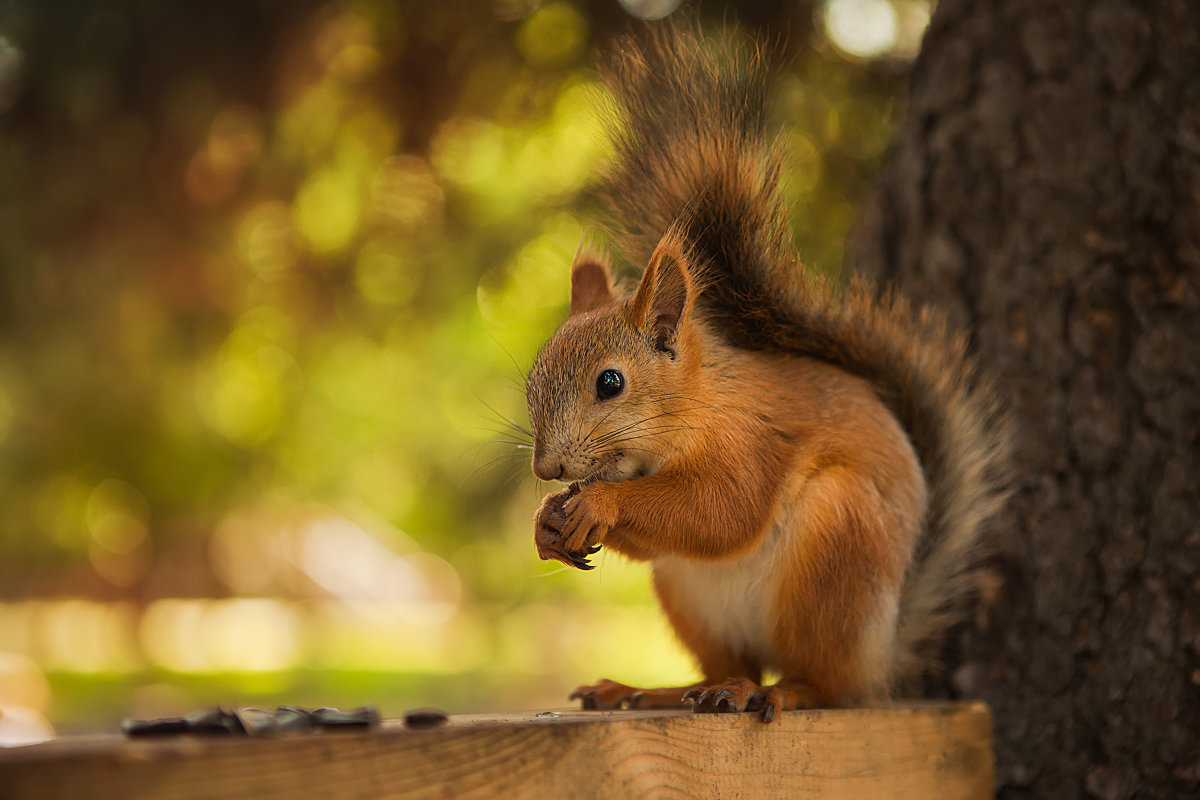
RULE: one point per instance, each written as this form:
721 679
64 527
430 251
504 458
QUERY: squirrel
807 466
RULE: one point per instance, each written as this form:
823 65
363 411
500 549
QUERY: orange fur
756 443
806 467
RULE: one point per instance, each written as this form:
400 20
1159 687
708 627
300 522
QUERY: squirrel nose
546 467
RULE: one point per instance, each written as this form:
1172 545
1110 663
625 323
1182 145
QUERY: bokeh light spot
364 140
384 272
266 239
235 138
310 124
241 634
251 634
209 184
862 28
345 45
468 151
405 193
650 9
803 160
86 636
327 212
60 507
11 61
116 514
553 35
913 20
537 280
243 394
21 682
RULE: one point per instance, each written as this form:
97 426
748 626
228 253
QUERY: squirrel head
606 392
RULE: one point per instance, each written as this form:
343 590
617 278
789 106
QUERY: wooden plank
926 751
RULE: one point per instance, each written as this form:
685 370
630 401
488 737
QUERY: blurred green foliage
268 269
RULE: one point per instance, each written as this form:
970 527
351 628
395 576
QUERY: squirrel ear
591 286
665 293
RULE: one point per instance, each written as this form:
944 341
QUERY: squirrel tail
691 153
692 156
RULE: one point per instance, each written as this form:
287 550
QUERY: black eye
609 384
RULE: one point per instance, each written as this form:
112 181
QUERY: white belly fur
729 599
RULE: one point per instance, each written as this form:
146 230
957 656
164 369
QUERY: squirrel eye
609 384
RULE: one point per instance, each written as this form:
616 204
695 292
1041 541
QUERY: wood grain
936 750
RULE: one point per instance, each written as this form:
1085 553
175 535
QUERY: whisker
505 461
638 450
619 443
598 424
522 373
561 569
696 403
632 426
657 430
517 445
638 422
615 443
510 422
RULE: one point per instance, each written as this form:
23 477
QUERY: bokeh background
270 275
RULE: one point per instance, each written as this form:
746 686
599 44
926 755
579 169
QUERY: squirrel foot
606 695
741 694
603 695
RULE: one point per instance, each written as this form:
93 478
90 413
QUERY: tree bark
1045 191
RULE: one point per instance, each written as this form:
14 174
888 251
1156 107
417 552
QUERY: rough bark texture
1045 190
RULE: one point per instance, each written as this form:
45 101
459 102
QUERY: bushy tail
692 154
957 426
691 150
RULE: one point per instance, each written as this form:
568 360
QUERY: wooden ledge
921 751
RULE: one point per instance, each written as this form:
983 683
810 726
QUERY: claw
691 696
703 700
724 702
586 698
604 695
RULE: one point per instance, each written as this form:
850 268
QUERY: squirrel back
693 158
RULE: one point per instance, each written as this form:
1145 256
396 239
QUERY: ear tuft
591 286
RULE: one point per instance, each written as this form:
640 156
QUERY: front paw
590 515
549 537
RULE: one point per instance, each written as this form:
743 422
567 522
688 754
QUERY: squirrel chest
730 599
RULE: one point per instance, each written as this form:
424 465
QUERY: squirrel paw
548 535
590 515
604 695
736 695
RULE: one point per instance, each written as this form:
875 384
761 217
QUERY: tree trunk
1045 191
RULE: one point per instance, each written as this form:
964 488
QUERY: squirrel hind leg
606 695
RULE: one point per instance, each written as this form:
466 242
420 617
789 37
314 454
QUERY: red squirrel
805 465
